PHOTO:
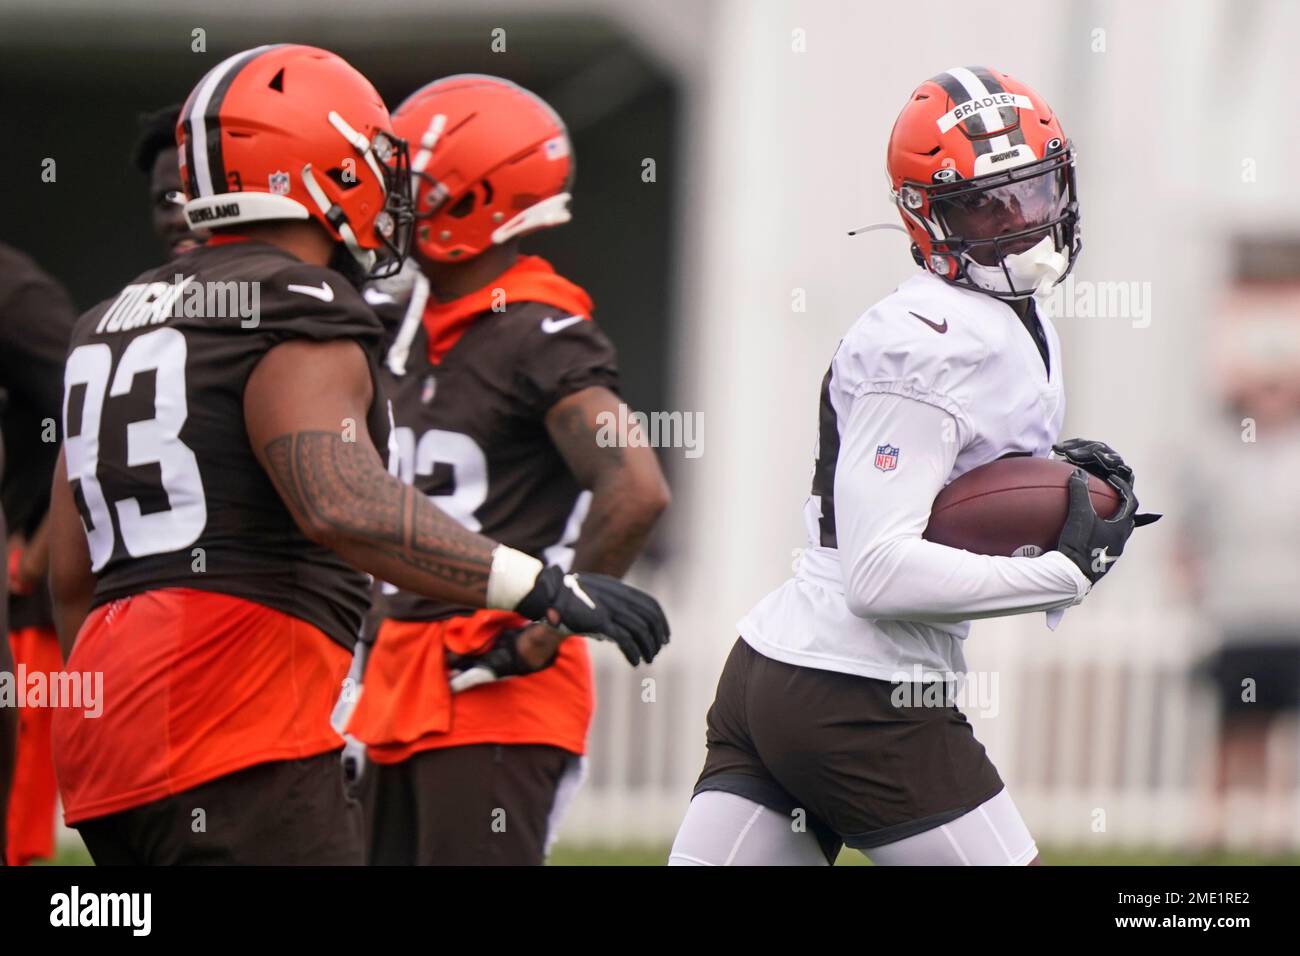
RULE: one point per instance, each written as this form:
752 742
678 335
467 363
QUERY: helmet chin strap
1032 272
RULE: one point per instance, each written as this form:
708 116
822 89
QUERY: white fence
1100 729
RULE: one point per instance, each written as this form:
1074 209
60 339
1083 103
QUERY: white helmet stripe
198 125
991 115
427 142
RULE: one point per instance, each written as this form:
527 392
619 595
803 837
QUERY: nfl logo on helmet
886 457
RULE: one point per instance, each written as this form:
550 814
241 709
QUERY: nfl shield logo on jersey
886 457
278 183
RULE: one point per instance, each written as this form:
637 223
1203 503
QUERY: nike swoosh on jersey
552 325
325 293
934 325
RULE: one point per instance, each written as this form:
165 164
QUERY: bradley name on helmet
952 370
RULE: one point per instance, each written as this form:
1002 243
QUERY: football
1012 507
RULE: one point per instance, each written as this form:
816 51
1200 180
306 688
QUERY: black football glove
1098 458
1092 543
598 606
499 660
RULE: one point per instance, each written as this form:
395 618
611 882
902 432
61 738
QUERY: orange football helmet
983 177
491 161
294 132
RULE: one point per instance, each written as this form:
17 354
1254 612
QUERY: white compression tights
723 829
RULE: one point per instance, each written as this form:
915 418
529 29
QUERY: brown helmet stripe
1010 116
973 125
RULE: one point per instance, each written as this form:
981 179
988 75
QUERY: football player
221 481
500 379
36 319
156 157
808 746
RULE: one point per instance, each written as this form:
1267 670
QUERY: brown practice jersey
169 490
470 426
36 318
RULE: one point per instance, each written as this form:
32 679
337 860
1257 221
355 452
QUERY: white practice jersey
931 382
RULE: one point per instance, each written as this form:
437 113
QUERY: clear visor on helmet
1000 216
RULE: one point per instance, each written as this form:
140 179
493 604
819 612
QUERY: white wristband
512 576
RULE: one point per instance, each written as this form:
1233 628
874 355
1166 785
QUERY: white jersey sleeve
928 384
889 571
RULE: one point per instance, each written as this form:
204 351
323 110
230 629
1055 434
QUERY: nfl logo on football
887 457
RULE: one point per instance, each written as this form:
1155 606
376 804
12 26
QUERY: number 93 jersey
169 490
471 381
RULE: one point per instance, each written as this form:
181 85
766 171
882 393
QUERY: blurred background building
723 271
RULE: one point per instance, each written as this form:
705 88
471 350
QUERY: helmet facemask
395 223
388 158
1011 234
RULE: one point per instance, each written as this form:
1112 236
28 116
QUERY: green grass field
568 855
655 856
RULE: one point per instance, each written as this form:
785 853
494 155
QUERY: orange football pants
32 805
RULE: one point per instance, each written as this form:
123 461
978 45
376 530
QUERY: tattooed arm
627 486
297 404
628 494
